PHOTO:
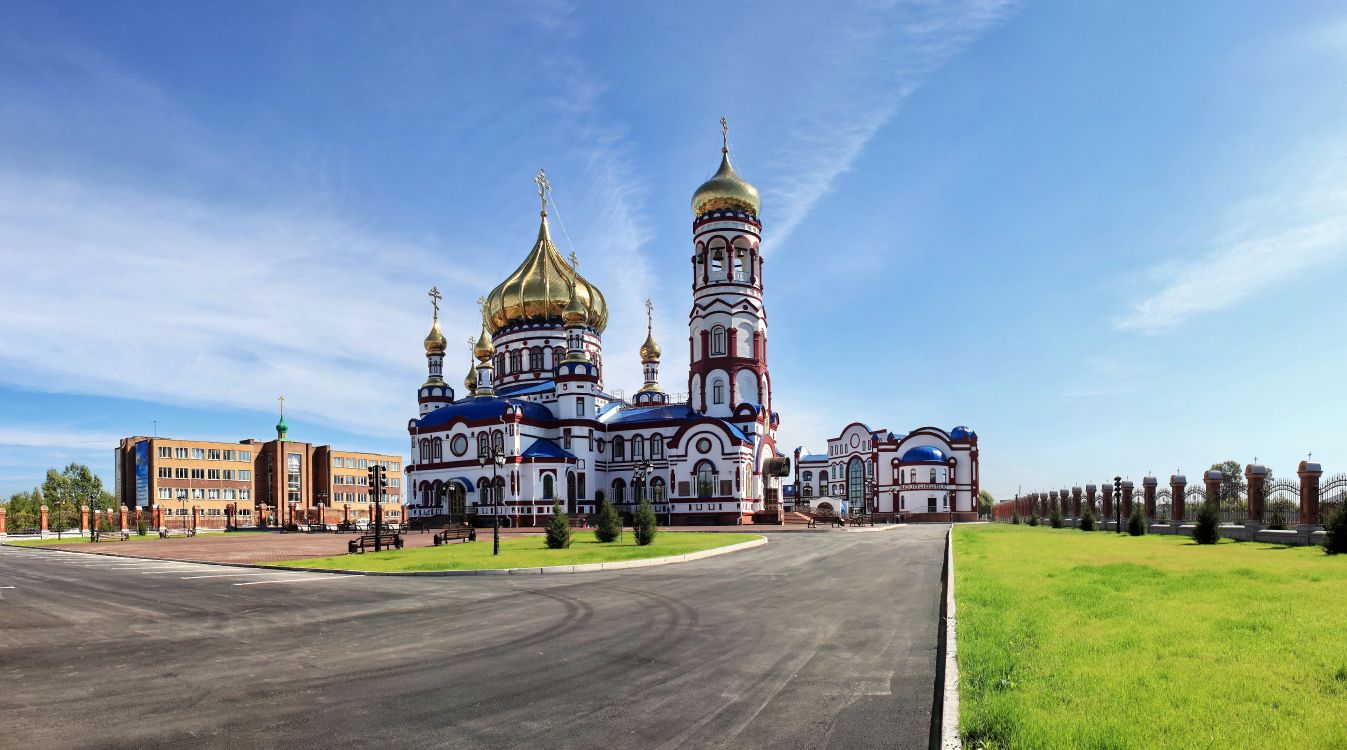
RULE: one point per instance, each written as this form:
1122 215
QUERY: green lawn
523 552
1069 639
149 536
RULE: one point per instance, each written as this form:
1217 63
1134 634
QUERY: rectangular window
245 494
566 439
229 455
229 474
199 453
198 473
579 406
180 473
198 493
245 455
214 454
165 451
182 493
245 475
165 472
930 504
293 485
231 495
165 493
180 453
212 494
212 473
394 482
339 462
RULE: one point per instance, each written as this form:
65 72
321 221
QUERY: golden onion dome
470 380
575 311
483 349
540 289
650 351
726 190
435 342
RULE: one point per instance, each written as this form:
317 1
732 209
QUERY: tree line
63 492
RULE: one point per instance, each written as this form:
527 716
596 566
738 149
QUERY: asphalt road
813 641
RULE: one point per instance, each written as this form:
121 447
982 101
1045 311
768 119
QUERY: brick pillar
1178 484
1107 505
1309 474
1075 501
158 517
1090 492
1213 481
1148 485
195 511
346 513
1127 499
1052 501
1256 476
42 519
84 519
121 514
2 521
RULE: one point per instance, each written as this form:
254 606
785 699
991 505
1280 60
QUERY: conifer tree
1335 540
1015 515
1056 518
609 523
558 528
1136 523
1208 528
644 526
1087 522
1033 518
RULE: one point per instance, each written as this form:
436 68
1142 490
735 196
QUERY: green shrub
644 524
1087 522
1279 514
558 528
609 523
1335 540
1033 519
142 528
1208 528
1056 519
1136 523
1015 515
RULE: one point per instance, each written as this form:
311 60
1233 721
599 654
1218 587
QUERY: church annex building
535 425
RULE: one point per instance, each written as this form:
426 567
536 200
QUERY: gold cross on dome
649 313
435 298
574 260
724 136
544 187
281 399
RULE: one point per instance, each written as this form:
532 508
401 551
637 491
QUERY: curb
945 713
549 570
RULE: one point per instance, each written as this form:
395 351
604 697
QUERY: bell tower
727 325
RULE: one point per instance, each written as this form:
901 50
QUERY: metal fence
1164 506
1332 497
1281 504
1193 498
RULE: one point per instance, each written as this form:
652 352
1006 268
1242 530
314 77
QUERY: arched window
536 358
657 446
500 362
637 448
739 274
718 392
437 449
498 441
558 354
856 484
809 476
425 449
823 481
619 449
516 360
705 480
619 491
637 490
483 444
549 487
657 490
806 491
932 476
718 340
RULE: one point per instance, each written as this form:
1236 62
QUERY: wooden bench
111 536
828 518
366 541
862 519
166 532
464 534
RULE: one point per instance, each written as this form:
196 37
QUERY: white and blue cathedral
535 425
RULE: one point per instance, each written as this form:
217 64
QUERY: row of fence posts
1262 504
126 519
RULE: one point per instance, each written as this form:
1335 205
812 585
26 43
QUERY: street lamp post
1117 503
496 457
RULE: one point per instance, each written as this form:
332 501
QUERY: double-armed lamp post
1117 503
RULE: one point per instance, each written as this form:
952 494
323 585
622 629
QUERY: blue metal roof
527 389
484 407
544 448
961 432
813 457
924 453
671 412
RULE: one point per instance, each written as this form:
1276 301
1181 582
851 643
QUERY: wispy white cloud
880 53
1278 236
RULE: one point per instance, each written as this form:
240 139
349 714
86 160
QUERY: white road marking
295 580
219 575
6 587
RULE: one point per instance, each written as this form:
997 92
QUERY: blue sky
1111 237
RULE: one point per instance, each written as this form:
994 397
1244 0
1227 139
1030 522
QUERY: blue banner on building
143 473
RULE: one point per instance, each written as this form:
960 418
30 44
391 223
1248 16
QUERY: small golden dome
650 351
470 380
575 311
483 349
435 342
726 190
540 289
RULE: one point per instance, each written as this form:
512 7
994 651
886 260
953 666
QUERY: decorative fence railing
1193 498
1164 506
1281 504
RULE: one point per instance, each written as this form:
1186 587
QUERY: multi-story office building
259 482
